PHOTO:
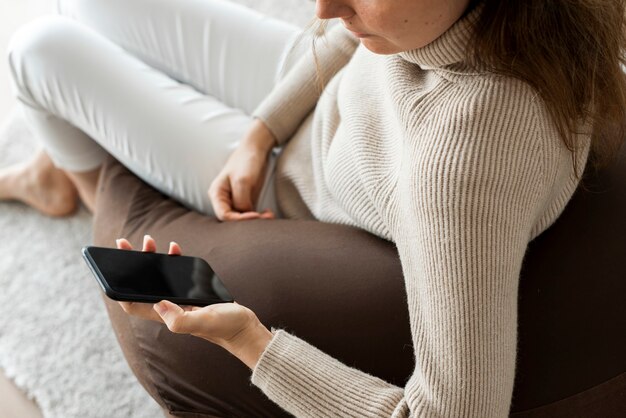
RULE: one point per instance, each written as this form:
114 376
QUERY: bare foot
41 185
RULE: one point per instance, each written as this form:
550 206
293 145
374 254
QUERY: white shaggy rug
55 340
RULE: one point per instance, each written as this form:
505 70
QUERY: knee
76 8
37 48
41 40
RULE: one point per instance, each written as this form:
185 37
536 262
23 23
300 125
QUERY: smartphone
137 276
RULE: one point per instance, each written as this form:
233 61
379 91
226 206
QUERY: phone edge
120 297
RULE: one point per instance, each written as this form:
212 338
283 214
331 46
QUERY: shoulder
477 112
493 103
462 102
483 134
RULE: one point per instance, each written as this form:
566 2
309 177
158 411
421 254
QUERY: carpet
56 343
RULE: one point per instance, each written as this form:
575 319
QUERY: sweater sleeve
469 193
293 98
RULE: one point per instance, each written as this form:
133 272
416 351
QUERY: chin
379 47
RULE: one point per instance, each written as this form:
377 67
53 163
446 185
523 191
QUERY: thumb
174 317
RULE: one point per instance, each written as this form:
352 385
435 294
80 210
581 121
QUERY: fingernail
117 241
160 308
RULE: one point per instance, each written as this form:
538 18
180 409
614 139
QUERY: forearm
293 98
309 383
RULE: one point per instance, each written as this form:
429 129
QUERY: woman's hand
229 325
235 190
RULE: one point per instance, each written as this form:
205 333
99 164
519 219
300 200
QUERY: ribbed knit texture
461 168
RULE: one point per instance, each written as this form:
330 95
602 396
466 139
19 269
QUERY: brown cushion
341 288
572 314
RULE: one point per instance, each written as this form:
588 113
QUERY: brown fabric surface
341 289
317 280
606 400
572 314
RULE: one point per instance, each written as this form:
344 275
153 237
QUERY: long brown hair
572 53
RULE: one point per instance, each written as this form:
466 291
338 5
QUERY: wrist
260 137
250 344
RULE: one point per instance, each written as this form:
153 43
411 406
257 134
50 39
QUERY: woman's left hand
229 325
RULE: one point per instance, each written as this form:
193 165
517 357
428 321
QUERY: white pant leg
221 48
74 85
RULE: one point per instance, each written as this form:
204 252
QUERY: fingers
176 318
267 214
222 197
174 249
237 216
219 194
223 205
149 245
141 310
245 216
123 244
242 196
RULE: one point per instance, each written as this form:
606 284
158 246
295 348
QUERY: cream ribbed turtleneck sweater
461 169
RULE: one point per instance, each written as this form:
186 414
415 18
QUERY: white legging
165 86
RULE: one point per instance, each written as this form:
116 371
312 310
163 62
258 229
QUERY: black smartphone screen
146 277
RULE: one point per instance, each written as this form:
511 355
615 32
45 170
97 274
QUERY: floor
13 403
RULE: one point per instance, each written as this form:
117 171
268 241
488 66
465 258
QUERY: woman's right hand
235 190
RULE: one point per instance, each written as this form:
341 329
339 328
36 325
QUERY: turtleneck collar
449 48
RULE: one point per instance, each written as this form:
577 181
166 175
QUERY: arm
293 98
469 199
234 191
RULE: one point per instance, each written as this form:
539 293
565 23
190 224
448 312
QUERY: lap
341 290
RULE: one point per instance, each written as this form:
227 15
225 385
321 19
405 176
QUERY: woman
459 130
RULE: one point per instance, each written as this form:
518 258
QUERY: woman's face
391 26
